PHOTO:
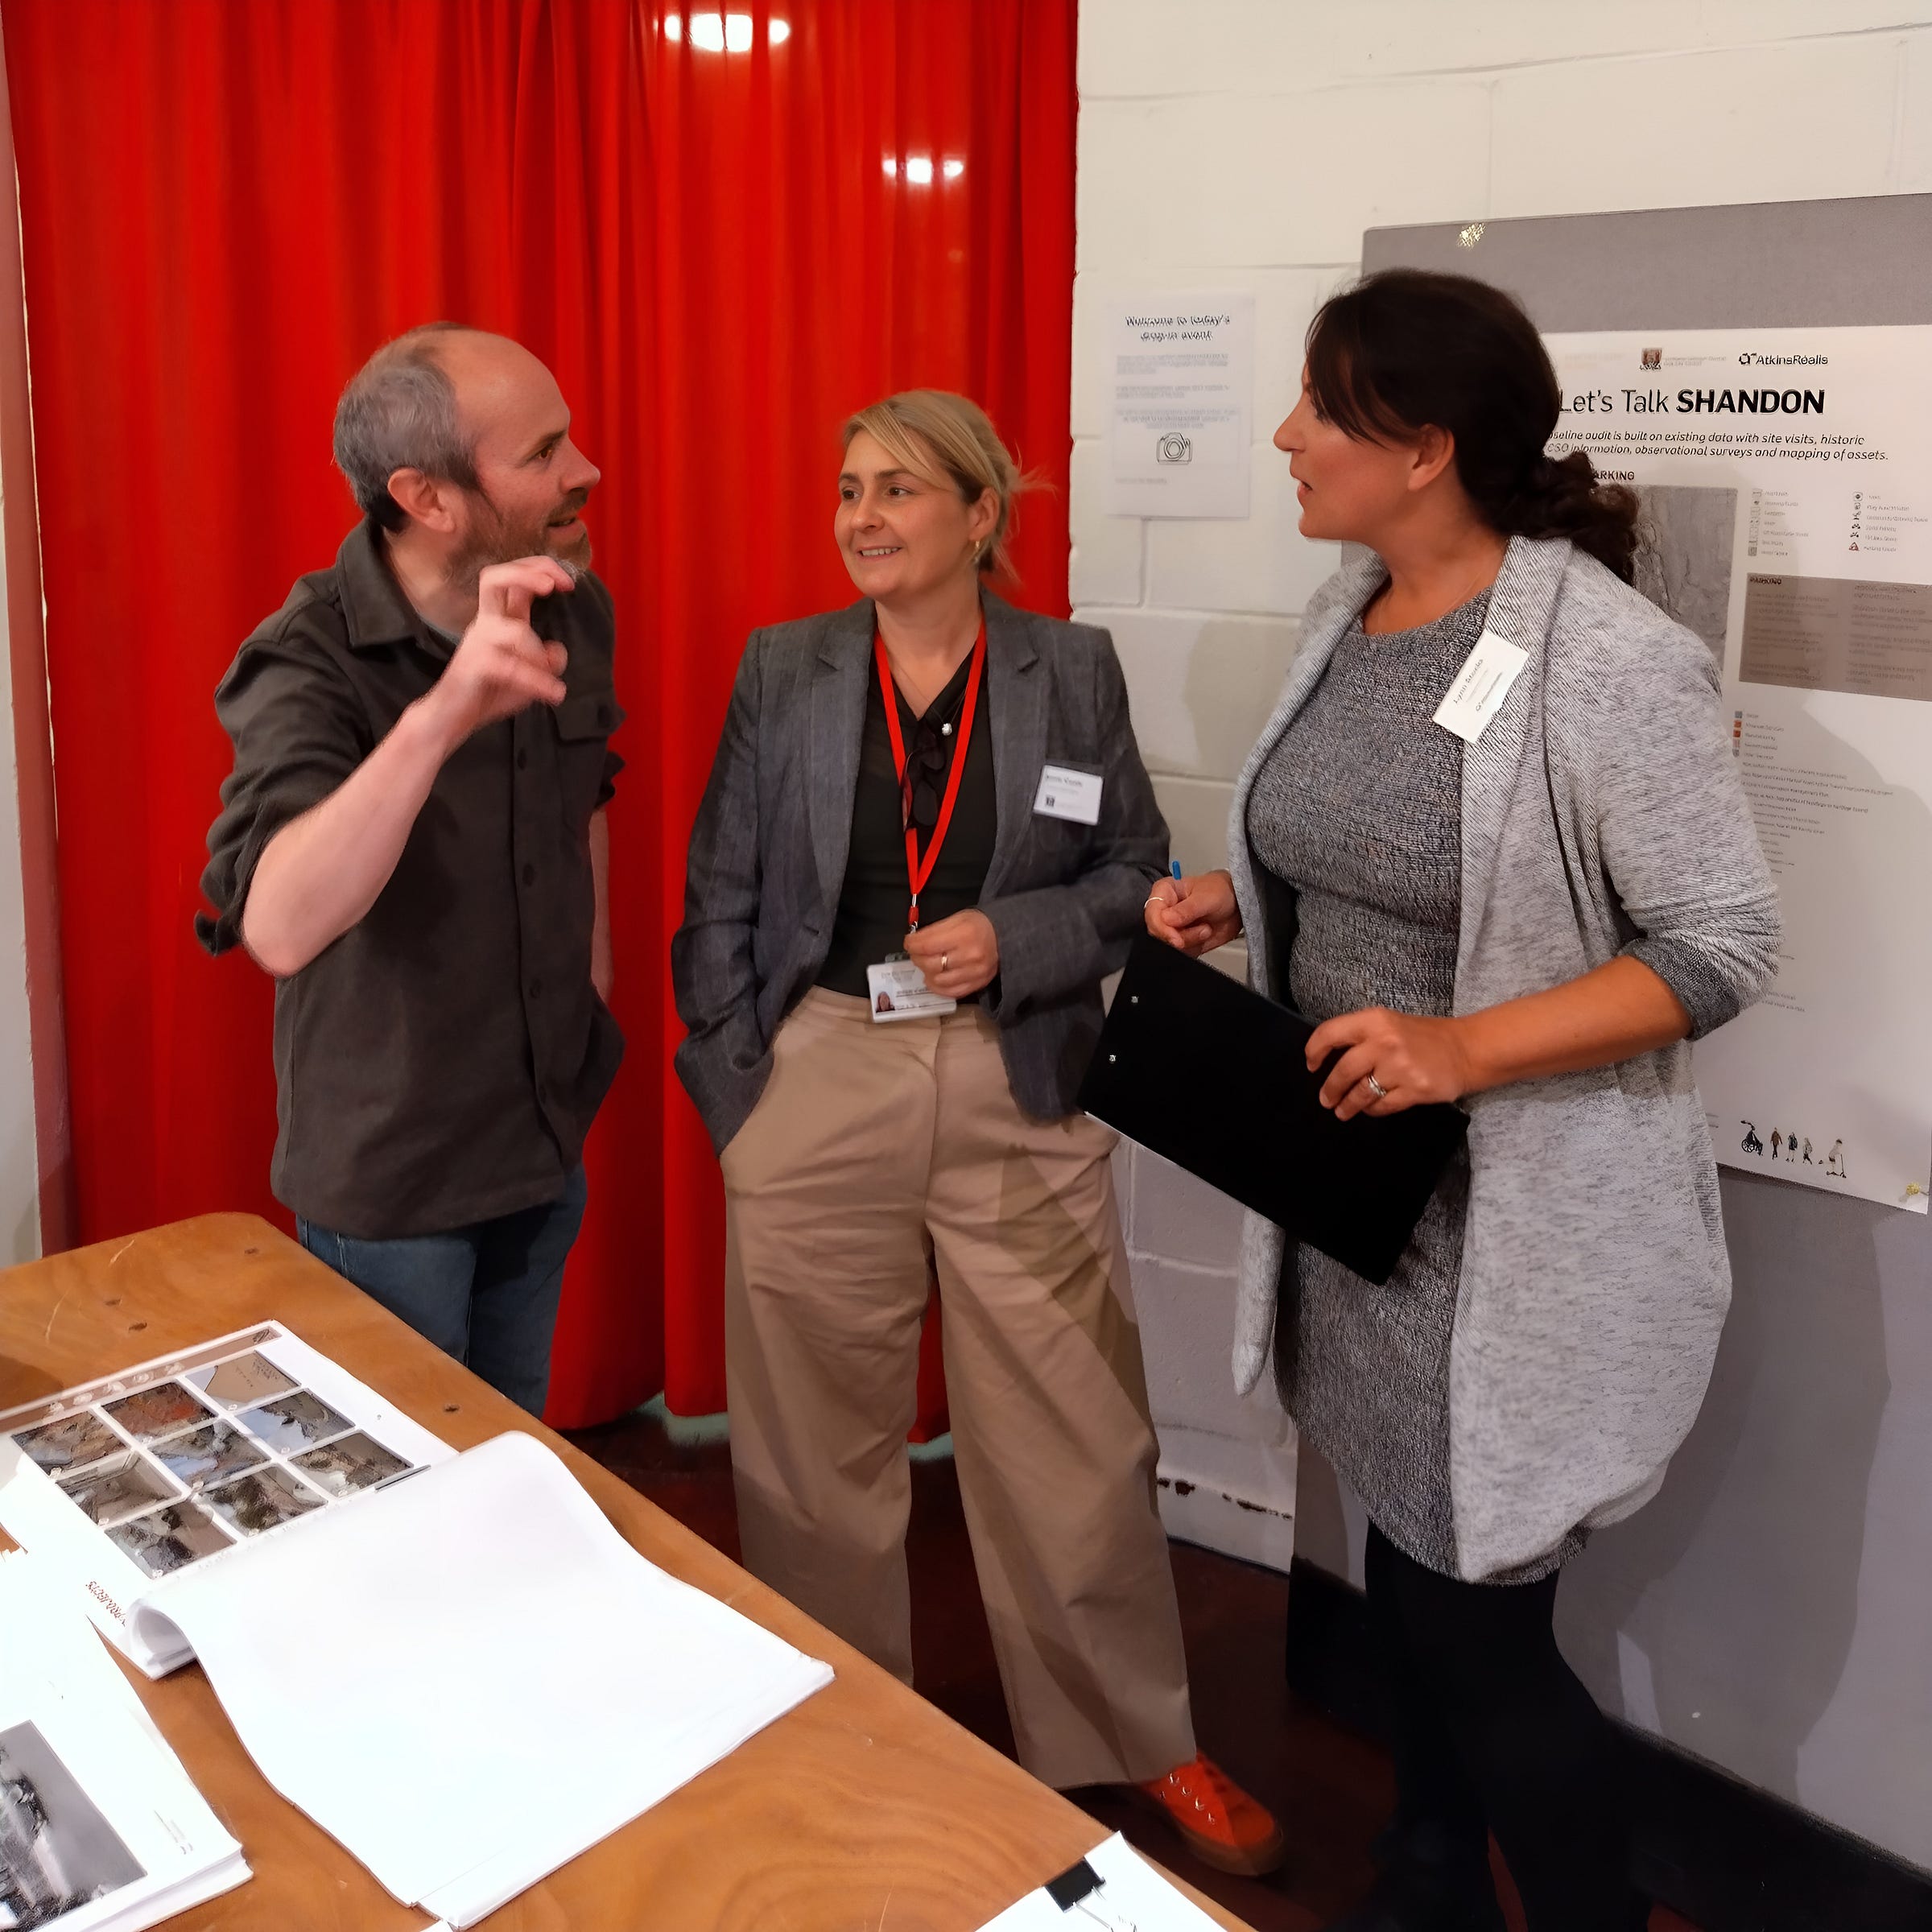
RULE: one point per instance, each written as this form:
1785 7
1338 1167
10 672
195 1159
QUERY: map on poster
1785 480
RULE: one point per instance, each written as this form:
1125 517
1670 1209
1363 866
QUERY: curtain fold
722 235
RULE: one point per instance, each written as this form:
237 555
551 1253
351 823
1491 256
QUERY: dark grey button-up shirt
439 1063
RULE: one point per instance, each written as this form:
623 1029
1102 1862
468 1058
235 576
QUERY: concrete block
1282 181
1746 124
1200 687
1262 562
1139 49
1090 369
1177 1218
1133 48
1186 1318
1111 230
1196 812
1105 565
1387 37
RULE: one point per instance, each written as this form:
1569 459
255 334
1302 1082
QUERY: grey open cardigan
1601 802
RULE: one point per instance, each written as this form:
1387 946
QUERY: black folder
1213 1077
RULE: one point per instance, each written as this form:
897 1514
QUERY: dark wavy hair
1405 349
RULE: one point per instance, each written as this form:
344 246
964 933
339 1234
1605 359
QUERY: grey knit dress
1358 812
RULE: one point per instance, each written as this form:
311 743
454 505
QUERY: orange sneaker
1219 1824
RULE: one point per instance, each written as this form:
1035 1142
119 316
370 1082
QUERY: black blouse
872 903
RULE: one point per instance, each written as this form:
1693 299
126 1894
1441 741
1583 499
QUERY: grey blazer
1602 802
767 857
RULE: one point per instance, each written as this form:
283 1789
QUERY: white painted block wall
1248 144
20 1153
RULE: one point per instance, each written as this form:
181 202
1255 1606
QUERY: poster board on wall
1761 375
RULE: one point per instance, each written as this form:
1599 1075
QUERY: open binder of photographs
452 1662
101 1829
125 1484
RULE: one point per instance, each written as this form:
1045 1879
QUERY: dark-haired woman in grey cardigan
1532 914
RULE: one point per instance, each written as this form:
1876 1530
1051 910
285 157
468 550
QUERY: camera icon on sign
1174 448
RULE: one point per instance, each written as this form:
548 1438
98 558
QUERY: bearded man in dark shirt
413 842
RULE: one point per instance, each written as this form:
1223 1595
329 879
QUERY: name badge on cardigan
1481 687
1066 793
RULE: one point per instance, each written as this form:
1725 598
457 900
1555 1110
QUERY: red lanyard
919 870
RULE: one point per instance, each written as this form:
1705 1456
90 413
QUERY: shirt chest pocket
583 721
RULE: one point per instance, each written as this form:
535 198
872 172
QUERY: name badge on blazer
898 992
1066 793
1481 687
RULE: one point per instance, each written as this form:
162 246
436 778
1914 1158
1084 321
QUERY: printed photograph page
100 1828
474 1679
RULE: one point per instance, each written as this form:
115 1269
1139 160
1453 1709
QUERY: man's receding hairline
431 340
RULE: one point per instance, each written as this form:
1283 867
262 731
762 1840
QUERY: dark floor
1330 1787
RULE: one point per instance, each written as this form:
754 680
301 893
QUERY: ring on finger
945 960
1376 1087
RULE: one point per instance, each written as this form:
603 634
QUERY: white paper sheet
1133 1897
472 1678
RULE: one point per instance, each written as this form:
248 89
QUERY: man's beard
493 538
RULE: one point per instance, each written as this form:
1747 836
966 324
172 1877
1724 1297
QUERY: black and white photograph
1685 532
165 1410
242 1381
356 1461
57 1852
73 1443
263 1499
170 1539
294 1422
123 1488
208 1456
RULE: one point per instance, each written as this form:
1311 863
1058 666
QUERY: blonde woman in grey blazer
932 792
1532 919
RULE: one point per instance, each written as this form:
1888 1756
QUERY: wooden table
863 1810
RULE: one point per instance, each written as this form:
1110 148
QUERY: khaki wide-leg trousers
878 1156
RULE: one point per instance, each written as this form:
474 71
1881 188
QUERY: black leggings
1494 1732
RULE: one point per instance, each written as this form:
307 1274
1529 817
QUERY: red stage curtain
719 251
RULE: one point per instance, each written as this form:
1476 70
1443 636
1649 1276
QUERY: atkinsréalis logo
1751 356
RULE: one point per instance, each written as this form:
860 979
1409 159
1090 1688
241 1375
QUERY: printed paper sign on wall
1181 385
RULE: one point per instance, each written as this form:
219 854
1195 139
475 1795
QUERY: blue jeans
486 1294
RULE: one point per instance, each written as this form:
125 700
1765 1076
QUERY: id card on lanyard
898 988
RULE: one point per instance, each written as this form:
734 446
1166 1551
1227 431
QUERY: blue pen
1174 869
